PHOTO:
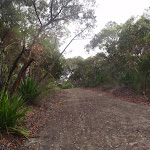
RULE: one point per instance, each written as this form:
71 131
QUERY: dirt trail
89 120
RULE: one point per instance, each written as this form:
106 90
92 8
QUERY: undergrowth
11 113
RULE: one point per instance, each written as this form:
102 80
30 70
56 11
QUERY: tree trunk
20 74
13 68
14 65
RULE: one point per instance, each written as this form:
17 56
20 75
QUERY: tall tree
38 19
127 47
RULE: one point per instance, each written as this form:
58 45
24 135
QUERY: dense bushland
30 55
123 60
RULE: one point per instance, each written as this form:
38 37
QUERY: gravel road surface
90 120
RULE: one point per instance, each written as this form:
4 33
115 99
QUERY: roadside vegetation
31 60
32 65
123 58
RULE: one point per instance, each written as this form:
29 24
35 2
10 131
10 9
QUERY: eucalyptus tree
12 28
106 40
87 72
127 47
36 19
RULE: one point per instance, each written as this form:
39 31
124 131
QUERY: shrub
138 84
99 80
29 90
127 78
67 85
55 90
11 112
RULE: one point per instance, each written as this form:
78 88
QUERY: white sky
108 10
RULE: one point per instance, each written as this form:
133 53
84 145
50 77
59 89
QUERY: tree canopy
30 34
123 57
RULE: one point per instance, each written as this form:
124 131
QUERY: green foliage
67 85
127 61
28 31
11 112
144 63
51 84
29 90
100 79
127 78
138 83
88 72
55 90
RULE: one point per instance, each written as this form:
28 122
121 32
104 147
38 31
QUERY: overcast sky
109 10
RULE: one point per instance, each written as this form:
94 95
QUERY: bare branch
35 9
65 17
53 18
52 9
57 58
72 40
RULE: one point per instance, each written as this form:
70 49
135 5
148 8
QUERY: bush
67 85
11 112
99 80
127 78
29 90
138 84
55 90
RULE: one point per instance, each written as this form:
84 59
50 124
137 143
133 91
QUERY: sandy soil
91 120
